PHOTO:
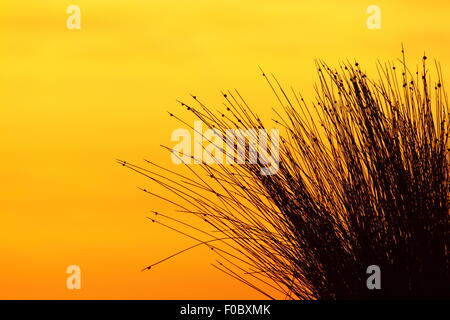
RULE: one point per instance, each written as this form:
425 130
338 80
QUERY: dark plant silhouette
363 180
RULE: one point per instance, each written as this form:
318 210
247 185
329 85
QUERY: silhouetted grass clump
363 180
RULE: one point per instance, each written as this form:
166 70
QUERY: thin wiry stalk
363 180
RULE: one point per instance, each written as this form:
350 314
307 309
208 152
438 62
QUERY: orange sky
72 101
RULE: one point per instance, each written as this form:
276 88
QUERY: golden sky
72 101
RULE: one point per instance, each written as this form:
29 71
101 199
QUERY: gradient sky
72 101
